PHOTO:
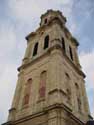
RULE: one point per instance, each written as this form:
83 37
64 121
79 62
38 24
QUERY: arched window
46 42
27 92
45 21
63 45
68 87
67 80
69 95
78 97
71 54
76 85
79 104
77 90
26 99
35 49
42 87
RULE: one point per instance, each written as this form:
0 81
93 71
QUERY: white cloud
8 72
87 61
28 10
7 81
7 39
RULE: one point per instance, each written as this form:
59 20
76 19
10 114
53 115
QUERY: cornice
44 112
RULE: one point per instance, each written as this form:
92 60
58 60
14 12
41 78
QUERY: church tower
50 88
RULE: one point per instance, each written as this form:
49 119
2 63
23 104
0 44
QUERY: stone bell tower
50 88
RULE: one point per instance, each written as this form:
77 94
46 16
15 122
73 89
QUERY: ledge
74 40
45 111
90 117
57 46
12 109
30 34
8 123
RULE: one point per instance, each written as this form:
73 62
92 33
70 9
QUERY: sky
20 17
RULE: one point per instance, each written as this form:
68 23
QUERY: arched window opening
71 54
77 90
68 95
29 81
45 21
35 49
67 78
76 85
46 42
28 85
78 97
79 104
27 92
26 99
42 87
68 88
63 45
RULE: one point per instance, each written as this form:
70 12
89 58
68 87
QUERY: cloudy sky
20 17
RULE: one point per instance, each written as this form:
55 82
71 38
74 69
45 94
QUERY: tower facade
50 88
